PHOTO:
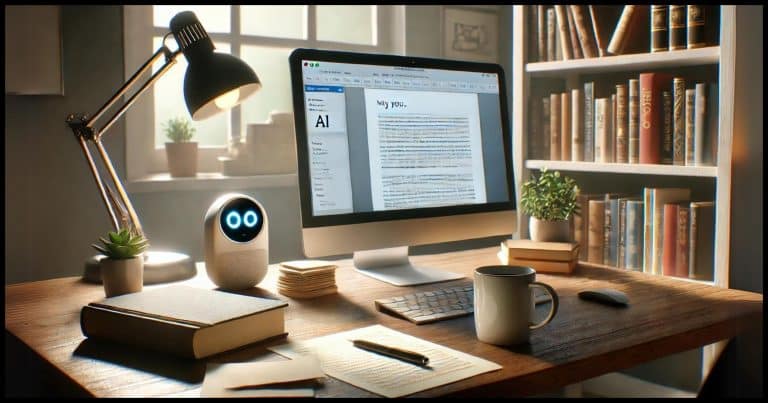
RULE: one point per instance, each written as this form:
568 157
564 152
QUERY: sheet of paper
220 379
383 375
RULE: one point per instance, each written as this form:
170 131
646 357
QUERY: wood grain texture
584 340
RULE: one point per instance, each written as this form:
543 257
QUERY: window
263 36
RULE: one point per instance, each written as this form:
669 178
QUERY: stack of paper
307 278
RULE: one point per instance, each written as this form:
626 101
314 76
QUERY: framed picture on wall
471 34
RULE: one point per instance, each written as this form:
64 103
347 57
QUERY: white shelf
640 61
617 168
209 181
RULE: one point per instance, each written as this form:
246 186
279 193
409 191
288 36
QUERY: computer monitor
395 151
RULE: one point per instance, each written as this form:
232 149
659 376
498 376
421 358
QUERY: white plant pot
182 158
550 231
122 276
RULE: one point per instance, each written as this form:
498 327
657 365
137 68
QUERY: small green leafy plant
550 197
179 130
124 244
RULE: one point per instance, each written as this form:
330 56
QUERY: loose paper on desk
233 380
383 375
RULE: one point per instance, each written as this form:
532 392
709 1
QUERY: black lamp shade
209 74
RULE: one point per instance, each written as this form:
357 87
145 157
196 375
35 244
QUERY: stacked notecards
307 278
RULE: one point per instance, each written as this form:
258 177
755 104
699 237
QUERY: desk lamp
213 83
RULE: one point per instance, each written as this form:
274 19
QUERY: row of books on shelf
653 119
660 232
565 32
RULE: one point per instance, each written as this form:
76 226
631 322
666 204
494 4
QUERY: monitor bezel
308 218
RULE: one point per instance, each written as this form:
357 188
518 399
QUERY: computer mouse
607 296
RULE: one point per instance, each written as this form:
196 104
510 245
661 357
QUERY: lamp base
159 267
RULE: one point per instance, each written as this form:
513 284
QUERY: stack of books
545 257
307 278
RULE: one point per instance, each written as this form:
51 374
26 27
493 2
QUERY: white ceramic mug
504 305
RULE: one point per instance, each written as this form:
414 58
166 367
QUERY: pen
394 352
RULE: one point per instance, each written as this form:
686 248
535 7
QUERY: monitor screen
384 137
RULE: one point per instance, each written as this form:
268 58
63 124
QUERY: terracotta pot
122 276
182 158
550 231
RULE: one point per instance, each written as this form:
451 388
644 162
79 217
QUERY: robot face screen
241 220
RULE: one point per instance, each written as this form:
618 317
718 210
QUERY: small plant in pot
550 201
122 270
181 152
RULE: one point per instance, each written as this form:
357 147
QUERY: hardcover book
533 40
551 34
622 230
633 124
575 45
678 120
713 121
701 241
669 249
699 125
604 19
702 24
690 145
631 31
554 126
602 130
659 30
634 237
677 27
589 121
683 235
183 320
564 34
565 126
622 152
534 129
552 251
596 231
577 120
611 234
662 196
666 132
651 115
541 32
584 30
545 127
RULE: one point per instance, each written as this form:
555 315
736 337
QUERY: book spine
601 129
633 145
596 231
565 126
677 27
713 121
577 119
699 123
532 40
611 238
551 28
634 242
541 32
702 241
589 121
554 126
562 29
545 127
666 143
690 97
678 121
584 31
695 23
669 247
599 43
622 234
618 40
534 129
657 242
647 229
612 136
622 152
651 86
608 228
575 45
578 224
659 32
681 254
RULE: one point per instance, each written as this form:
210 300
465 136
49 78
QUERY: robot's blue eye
233 220
250 219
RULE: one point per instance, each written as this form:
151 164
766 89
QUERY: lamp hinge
79 125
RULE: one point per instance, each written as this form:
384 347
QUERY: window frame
142 158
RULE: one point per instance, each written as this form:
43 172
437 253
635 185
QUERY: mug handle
552 310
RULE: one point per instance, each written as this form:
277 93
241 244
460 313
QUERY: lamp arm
83 128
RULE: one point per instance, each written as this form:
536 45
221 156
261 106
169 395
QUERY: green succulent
179 130
124 244
550 197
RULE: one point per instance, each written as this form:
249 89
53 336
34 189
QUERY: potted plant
122 270
550 201
181 152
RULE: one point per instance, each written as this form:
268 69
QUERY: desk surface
584 340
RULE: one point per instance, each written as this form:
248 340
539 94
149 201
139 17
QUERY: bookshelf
712 63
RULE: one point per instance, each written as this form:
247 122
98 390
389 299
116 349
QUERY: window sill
163 182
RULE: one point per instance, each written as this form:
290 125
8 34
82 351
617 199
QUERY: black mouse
607 296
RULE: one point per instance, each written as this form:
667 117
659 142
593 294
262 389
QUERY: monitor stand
392 266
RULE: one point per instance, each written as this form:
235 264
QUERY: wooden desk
584 340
